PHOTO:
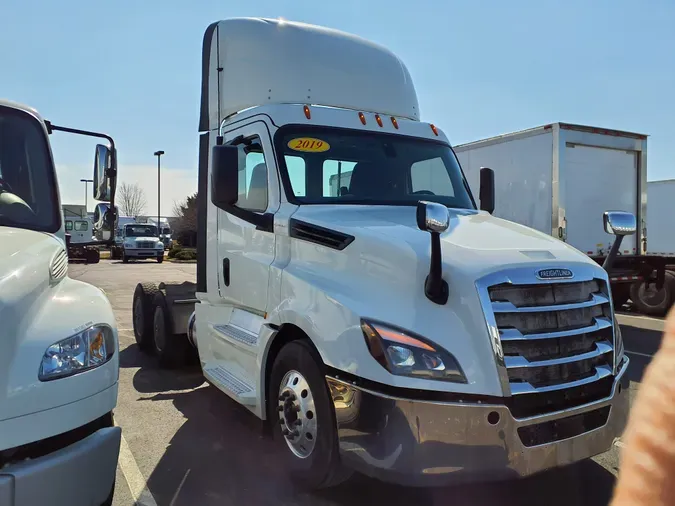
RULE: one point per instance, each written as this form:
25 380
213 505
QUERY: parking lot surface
186 443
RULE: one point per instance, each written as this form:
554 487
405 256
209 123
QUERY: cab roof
248 62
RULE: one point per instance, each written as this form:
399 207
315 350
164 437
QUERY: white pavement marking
639 354
619 443
137 484
182 482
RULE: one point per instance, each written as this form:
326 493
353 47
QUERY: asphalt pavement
186 443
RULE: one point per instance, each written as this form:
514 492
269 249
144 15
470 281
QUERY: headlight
128 244
402 354
86 350
618 345
159 245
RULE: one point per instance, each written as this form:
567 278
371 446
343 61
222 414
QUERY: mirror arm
613 252
435 287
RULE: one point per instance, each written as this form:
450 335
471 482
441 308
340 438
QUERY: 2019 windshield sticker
308 145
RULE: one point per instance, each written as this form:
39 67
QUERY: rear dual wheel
653 302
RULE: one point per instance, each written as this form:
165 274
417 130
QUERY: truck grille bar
549 335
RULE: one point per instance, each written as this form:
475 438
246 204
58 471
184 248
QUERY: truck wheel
171 349
160 259
93 256
302 418
143 315
653 302
125 258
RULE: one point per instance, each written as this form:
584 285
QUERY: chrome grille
549 335
145 244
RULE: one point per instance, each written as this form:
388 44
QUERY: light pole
85 181
158 154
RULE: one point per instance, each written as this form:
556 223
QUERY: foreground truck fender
59 351
352 292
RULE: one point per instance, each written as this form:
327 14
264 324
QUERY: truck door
246 242
598 180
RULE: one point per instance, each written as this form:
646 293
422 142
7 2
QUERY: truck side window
69 225
80 226
253 181
431 175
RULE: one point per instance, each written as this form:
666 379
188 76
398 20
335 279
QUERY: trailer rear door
597 180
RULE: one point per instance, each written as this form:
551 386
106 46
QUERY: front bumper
79 474
427 443
144 252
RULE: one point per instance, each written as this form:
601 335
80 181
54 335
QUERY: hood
40 305
144 239
380 275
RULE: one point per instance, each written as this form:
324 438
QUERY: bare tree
131 199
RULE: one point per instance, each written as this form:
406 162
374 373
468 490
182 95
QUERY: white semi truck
559 177
59 363
79 234
395 329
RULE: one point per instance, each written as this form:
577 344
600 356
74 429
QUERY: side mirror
619 222
105 165
486 193
434 218
224 176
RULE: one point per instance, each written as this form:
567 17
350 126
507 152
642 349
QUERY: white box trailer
560 178
661 231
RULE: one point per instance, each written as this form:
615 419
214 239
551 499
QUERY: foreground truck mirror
224 176
435 219
104 169
486 194
620 224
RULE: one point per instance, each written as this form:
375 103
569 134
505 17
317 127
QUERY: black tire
160 259
322 468
142 315
620 295
657 303
125 258
93 256
171 349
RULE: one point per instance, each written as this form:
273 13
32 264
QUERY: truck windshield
141 231
166 231
27 184
341 166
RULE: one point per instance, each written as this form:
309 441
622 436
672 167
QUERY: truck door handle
226 271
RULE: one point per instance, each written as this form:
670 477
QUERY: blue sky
132 68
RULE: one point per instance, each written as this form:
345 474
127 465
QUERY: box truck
661 227
79 234
59 351
398 328
558 179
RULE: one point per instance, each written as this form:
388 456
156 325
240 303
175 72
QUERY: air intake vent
59 266
320 235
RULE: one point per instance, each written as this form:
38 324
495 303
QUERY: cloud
176 184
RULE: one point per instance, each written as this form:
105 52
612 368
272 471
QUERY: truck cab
59 349
355 294
139 241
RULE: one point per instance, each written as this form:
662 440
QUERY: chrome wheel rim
297 414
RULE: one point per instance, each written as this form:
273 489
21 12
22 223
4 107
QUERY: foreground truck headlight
402 354
83 351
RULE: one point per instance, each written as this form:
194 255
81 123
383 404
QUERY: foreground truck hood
40 305
380 275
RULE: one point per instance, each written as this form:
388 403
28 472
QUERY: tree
130 200
185 226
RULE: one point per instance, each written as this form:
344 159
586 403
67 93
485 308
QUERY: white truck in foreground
558 179
59 363
395 328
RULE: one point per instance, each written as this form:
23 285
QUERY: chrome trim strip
601 323
601 372
508 307
520 362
